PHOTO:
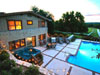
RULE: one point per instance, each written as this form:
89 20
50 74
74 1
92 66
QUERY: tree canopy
71 22
47 15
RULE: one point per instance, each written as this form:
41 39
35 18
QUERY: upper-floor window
41 23
29 22
14 25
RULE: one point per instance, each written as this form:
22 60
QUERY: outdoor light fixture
32 59
63 70
67 73
19 57
22 59
26 60
29 60
12 52
31 50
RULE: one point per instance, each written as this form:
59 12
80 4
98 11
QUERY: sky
90 9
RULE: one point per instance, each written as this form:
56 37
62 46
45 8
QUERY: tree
72 22
8 64
16 71
47 15
4 55
35 9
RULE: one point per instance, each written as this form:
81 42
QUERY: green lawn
95 34
90 30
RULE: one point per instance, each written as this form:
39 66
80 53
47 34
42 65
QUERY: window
42 36
39 37
14 25
16 44
23 42
41 23
11 45
29 40
29 22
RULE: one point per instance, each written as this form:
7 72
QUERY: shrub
40 56
32 71
16 71
4 55
8 64
4 72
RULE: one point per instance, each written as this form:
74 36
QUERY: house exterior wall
23 18
27 30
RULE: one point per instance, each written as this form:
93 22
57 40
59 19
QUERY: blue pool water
26 53
86 56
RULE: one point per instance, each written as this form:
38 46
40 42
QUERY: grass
94 34
90 30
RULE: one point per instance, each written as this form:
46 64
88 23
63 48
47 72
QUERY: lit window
11 46
23 42
14 25
42 37
29 22
43 23
18 25
39 37
11 25
16 44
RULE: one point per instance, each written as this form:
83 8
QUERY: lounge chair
67 40
53 40
49 46
60 40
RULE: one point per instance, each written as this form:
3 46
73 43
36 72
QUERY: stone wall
20 34
23 18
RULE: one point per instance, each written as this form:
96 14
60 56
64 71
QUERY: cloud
93 15
56 7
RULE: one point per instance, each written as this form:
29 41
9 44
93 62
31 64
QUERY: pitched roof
24 12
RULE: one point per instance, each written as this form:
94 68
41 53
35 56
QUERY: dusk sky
89 8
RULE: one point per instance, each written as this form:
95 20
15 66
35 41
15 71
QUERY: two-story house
21 29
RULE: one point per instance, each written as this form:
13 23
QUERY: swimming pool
86 56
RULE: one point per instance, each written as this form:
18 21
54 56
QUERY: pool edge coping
76 54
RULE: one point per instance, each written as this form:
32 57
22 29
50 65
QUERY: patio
55 59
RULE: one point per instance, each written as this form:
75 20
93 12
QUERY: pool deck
55 59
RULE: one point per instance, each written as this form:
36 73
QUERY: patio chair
49 46
53 40
60 40
41 42
67 40
44 41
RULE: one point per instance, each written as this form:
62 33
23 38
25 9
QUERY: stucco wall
27 31
23 18
15 35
